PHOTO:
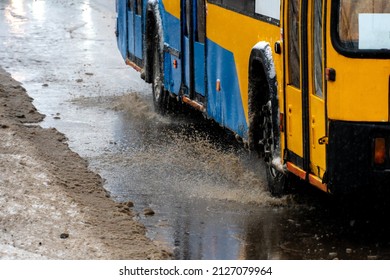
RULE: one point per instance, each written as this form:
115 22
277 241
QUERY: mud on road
51 205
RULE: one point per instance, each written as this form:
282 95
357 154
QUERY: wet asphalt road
207 192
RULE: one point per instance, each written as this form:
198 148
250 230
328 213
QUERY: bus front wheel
276 176
276 181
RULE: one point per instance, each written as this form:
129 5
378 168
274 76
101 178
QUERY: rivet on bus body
218 85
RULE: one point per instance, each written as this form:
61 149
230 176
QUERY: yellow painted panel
317 122
172 7
294 130
361 89
239 34
317 131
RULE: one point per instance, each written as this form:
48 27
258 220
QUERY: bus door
304 85
134 27
194 37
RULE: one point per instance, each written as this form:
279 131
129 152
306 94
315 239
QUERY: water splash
182 155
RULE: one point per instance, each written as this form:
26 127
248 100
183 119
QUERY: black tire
276 177
276 181
159 94
264 134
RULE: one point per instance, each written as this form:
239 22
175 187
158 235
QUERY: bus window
244 6
139 7
201 22
353 15
188 16
131 4
268 8
294 49
318 43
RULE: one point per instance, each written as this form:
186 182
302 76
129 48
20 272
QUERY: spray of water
176 156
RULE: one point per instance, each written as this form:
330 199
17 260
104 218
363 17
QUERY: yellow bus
305 84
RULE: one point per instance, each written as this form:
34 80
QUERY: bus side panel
130 31
228 55
199 68
172 7
121 27
172 52
138 51
225 106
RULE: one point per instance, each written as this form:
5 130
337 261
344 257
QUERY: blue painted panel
186 61
199 68
167 72
121 27
198 54
172 76
138 36
224 106
172 38
172 30
130 31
